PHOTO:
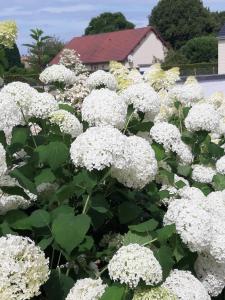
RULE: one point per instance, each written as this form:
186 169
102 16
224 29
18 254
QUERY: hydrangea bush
120 198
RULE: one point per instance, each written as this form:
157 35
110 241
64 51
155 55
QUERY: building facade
135 48
221 51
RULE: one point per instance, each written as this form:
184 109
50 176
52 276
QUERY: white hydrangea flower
141 165
98 147
102 79
23 268
202 173
3 165
135 76
68 123
41 105
216 99
71 59
187 94
193 222
134 263
57 73
21 93
220 165
210 273
87 289
166 134
173 191
104 107
10 202
153 293
191 193
35 128
10 115
185 286
184 152
202 116
143 97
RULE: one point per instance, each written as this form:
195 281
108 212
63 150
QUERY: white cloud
15 11
67 9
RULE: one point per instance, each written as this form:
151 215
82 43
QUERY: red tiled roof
104 47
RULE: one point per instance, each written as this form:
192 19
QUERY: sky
68 18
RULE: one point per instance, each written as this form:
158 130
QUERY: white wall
149 49
221 56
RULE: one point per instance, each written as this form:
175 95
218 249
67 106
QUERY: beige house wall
148 51
221 56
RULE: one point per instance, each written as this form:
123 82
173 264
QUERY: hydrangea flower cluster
187 94
87 289
104 107
8 33
102 79
154 293
185 286
67 122
192 221
220 165
141 165
202 173
23 267
10 202
132 159
160 79
133 263
143 98
202 116
71 60
57 73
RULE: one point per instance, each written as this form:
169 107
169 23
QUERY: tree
51 48
13 57
201 49
36 49
181 20
174 58
219 18
108 22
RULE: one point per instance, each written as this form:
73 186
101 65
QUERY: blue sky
68 18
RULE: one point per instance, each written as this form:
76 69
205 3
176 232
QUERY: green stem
102 271
150 242
86 204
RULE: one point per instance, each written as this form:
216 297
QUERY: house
137 48
221 51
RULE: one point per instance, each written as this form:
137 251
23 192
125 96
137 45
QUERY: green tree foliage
174 58
219 19
108 22
181 20
201 49
3 61
51 48
36 49
13 57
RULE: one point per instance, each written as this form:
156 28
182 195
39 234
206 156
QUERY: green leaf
17 219
99 203
58 286
136 238
159 151
166 176
62 210
184 170
163 234
165 257
128 212
45 242
20 136
219 182
114 292
215 150
180 184
69 231
164 194
39 218
55 154
23 180
203 187
45 175
147 226
85 180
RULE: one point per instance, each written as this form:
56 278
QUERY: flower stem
86 204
